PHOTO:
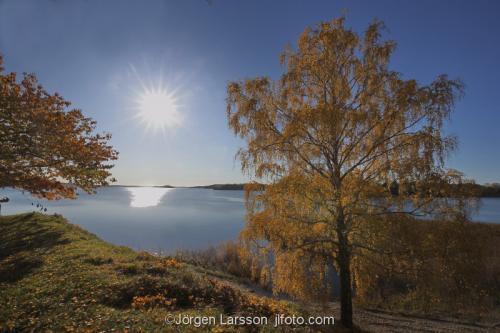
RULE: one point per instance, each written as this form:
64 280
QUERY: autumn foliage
48 149
330 137
433 267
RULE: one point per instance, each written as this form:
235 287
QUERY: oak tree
46 148
340 140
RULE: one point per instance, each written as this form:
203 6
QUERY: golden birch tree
330 139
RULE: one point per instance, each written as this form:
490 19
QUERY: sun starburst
158 109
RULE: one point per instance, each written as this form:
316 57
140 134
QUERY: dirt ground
384 322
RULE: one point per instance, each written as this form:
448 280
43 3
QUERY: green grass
55 276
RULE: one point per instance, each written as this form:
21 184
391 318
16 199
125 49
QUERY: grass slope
55 276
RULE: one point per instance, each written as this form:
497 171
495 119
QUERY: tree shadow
23 241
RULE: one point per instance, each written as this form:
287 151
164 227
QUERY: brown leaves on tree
46 148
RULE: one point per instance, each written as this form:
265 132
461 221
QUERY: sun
158 109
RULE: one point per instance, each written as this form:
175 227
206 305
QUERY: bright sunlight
158 109
146 196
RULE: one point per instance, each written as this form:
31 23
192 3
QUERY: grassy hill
55 276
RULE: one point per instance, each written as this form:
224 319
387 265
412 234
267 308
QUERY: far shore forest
489 190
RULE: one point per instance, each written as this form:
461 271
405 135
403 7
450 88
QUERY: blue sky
97 53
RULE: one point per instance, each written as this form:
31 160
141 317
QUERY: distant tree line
473 189
230 187
487 190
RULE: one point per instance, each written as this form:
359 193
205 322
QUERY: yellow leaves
172 262
328 138
147 302
300 275
319 228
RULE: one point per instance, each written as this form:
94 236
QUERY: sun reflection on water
146 196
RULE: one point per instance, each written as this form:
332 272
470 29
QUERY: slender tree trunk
345 291
344 262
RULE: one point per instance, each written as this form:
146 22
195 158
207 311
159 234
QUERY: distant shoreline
480 191
227 187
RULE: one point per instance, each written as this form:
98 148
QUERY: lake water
147 218
162 219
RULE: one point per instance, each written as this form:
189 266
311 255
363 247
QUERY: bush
225 257
433 266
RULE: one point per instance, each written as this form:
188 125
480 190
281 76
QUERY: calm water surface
153 218
147 218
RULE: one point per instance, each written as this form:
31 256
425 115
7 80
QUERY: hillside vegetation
55 276
428 269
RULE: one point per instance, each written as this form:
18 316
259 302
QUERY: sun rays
157 105
158 109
